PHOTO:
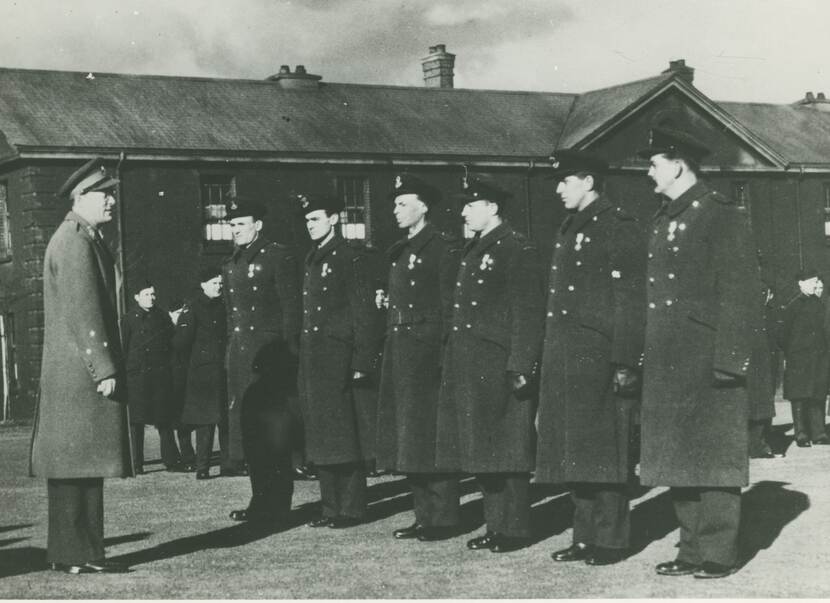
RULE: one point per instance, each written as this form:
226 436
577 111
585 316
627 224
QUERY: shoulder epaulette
722 199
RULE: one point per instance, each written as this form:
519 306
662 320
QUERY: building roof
58 109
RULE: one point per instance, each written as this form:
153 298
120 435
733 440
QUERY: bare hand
518 381
174 315
626 382
107 387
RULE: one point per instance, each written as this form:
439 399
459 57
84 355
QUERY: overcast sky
749 50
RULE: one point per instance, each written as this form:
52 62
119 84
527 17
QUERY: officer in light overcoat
702 321
262 302
200 339
81 432
593 341
339 358
485 410
420 288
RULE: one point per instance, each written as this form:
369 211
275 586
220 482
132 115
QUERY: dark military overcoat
595 323
78 432
262 302
147 342
200 338
805 337
497 326
703 315
420 288
342 333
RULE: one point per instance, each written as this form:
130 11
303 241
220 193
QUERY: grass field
175 534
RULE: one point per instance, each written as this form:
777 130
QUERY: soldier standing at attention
81 433
593 342
339 349
485 419
704 314
262 301
421 281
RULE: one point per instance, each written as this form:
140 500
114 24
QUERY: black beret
208 273
406 184
91 176
571 161
478 188
312 202
140 285
242 207
669 140
807 273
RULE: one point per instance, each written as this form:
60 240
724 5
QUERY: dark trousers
435 498
204 446
343 490
506 503
184 435
709 520
76 520
167 443
808 417
225 461
601 515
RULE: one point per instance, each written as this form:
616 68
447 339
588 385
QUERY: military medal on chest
487 262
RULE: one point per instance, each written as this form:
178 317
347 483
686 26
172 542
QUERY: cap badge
303 201
554 162
465 184
234 205
398 182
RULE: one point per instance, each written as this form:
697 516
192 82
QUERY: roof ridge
631 83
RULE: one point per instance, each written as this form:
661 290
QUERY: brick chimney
297 80
817 102
438 67
679 67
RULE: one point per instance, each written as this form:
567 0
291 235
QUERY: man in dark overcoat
702 321
485 413
419 300
590 363
81 431
262 300
146 334
339 357
200 338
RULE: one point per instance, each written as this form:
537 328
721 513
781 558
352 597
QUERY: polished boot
436 533
508 544
407 532
576 552
710 569
481 542
604 556
676 568
802 440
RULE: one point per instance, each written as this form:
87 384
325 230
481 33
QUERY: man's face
245 229
319 224
95 207
213 287
663 172
574 190
146 298
478 214
408 210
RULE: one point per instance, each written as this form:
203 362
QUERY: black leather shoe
507 544
233 472
481 542
320 522
239 515
305 473
802 441
821 441
407 532
575 552
203 474
188 467
434 534
342 521
91 567
605 556
676 568
710 569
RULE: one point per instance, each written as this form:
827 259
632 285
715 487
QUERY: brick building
182 144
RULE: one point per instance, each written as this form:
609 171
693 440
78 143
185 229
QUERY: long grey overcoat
79 433
704 314
342 333
497 326
420 290
806 335
595 323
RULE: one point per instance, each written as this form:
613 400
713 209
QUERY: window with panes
356 195
216 190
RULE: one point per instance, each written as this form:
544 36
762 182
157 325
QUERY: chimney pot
299 79
299 69
284 69
810 97
820 96
438 67
683 71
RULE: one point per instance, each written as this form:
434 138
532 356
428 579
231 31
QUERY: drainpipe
119 277
799 234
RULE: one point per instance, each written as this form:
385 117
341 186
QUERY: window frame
350 188
220 181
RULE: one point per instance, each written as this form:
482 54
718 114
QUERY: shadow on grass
393 497
8 541
765 509
18 526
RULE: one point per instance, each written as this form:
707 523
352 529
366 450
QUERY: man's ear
258 225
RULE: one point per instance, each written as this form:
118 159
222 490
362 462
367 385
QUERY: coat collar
679 205
415 244
248 253
316 255
86 227
480 244
577 221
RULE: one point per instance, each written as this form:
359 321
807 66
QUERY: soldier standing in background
485 416
147 333
262 299
421 280
200 338
703 317
81 434
589 370
339 349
